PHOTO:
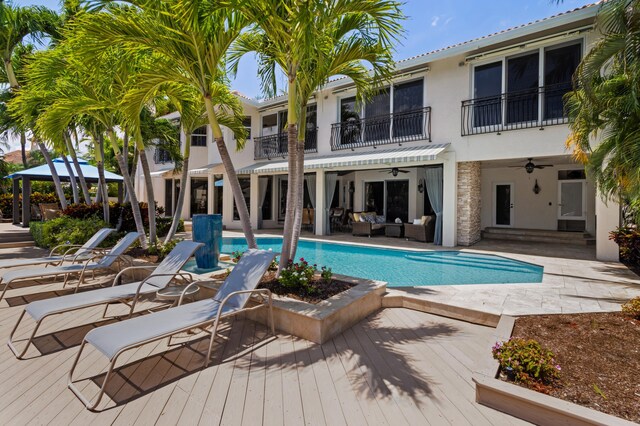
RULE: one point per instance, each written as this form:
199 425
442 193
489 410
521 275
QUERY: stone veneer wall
468 203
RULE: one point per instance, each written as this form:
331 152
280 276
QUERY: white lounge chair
128 294
70 252
114 339
94 263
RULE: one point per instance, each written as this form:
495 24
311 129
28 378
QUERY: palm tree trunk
54 174
135 207
72 179
232 177
23 149
151 200
125 151
11 76
134 167
183 183
102 182
292 186
297 222
76 165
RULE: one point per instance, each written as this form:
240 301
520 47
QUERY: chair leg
213 336
6 286
90 405
271 322
15 351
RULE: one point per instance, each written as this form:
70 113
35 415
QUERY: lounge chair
114 339
128 294
63 252
98 261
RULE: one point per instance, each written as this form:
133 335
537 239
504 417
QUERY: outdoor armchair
63 252
114 339
421 232
129 294
98 261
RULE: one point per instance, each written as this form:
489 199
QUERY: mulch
321 290
599 355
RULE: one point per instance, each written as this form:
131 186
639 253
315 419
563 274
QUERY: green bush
164 223
297 275
6 201
527 360
628 240
66 230
632 308
326 274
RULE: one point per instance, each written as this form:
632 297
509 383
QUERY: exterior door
572 200
503 204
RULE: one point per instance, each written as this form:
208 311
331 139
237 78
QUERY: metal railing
161 156
383 129
276 145
538 107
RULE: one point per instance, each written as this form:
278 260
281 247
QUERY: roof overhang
387 157
209 169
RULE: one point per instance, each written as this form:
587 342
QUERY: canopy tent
43 173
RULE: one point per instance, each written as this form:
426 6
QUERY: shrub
6 201
527 359
164 223
66 230
162 250
632 308
628 240
297 275
326 274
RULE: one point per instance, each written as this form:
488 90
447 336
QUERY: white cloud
434 21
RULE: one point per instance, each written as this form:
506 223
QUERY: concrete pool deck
573 281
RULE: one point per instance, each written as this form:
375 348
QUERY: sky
430 25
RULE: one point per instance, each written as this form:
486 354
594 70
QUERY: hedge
66 230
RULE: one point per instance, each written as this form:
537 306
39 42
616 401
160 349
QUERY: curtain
263 183
310 180
330 180
434 190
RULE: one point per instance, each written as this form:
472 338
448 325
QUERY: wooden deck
396 367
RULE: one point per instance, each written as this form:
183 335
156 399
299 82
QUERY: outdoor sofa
424 231
367 223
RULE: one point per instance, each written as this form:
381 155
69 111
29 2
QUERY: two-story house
473 133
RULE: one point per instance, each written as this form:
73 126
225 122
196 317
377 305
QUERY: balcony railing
161 156
381 130
277 145
539 107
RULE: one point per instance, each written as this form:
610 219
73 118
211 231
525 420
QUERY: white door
503 204
572 203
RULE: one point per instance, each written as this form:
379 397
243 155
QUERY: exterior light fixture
536 187
421 186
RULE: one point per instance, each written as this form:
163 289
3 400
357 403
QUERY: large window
199 136
559 65
245 184
522 88
376 112
246 123
487 92
374 197
267 204
350 117
408 101
199 196
397 200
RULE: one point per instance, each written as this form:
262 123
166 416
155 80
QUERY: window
161 156
350 117
397 200
374 197
376 113
268 199
407 108
269 124
310 137
245 185
199 136
559 65
199 196
522 88
246 122
487 109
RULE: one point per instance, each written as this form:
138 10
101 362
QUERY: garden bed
317 290
599 354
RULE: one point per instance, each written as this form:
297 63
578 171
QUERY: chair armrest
69 248
235 293
185 291
129 268
144 281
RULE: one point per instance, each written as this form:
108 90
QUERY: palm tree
310 42
190 40
604 113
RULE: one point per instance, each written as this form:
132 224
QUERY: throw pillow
356 217
381 219
370 218
424 220
417 221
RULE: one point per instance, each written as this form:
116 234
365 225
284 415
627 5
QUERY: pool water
404 267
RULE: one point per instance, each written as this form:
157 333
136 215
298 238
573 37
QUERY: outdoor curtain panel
311 187
434 190
330 188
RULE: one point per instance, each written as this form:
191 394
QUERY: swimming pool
404 267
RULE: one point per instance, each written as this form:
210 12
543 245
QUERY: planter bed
587 348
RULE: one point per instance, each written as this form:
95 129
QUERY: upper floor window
246 122
161 156
525 87
199 136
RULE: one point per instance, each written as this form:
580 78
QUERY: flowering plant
326 273
297 275
527 360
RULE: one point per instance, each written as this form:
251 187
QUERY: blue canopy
44 173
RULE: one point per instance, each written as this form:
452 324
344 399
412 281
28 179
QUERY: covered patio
43 174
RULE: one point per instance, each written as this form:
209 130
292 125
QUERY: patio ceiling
386 157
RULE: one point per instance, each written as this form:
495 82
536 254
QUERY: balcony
271 146
382 130
539 107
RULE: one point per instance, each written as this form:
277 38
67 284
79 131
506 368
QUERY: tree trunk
151 201
297 222
134 167
236 190
76 165
135 207
72 179
183 184
102 182
54 174
23 149
125 150
11 76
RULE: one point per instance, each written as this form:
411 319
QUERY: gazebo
43 173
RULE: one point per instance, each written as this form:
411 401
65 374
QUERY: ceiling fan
394 171
529 167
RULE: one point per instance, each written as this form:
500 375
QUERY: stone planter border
526 404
